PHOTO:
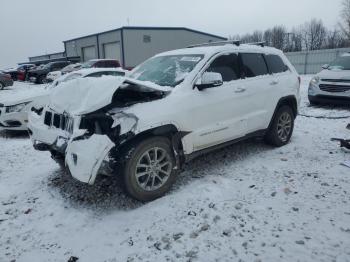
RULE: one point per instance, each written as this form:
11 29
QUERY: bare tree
313 34
278 36
293 41
345 18
335 39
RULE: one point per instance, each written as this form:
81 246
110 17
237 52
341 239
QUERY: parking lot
248 201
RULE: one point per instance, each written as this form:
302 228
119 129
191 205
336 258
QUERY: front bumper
325 99
16 121
84 155
315 94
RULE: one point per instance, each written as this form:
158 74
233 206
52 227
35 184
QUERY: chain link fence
311 62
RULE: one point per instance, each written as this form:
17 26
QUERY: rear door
281 77
258 85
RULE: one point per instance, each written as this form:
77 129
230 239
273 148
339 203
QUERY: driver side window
227 66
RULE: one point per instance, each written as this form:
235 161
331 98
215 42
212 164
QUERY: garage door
89 53
112 50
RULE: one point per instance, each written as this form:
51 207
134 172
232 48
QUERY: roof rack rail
262 43
232 42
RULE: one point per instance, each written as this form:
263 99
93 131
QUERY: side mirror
209 80
325 66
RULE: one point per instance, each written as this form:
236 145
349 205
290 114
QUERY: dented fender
84 156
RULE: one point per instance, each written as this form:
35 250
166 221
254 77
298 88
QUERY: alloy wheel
284 126
153 169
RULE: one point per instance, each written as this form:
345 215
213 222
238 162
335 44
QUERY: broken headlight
98 123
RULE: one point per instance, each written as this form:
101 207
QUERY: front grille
60 121
334 88
336 80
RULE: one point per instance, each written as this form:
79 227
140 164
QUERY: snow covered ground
248 202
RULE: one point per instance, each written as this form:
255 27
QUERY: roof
147 28
50 54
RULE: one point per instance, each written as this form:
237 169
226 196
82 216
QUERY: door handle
274 82
240 90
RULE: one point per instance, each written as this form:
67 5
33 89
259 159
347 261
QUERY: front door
219 113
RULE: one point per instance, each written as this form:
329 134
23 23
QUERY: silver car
332 84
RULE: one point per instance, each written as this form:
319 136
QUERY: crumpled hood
334 74
86 95
17 97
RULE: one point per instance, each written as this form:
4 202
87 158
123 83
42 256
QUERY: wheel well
288 101
169 131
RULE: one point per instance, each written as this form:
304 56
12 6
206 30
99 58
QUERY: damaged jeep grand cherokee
172 108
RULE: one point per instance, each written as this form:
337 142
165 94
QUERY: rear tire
148 169
2 86
281 127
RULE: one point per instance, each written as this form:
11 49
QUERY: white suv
172 108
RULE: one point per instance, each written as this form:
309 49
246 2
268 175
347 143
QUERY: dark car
5 80
20 72
101 63
23 70
38 75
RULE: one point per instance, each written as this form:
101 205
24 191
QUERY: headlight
16 108
315 80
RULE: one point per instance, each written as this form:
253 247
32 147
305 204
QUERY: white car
52 76
14 108
332 84
172 108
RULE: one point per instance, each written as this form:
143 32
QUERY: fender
287 100
168 130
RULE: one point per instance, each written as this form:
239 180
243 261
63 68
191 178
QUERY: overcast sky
29 28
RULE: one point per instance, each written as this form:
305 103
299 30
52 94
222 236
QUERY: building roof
148 28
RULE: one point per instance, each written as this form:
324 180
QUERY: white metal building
133 45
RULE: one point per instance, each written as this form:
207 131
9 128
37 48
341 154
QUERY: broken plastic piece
84 157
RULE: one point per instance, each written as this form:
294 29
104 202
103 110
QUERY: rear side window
97 74
112 64
227 66
276 64
254 65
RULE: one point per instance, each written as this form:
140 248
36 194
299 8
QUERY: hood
18 97
86 95
334 74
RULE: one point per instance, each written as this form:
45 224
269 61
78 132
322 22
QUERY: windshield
88 64
341 63
166 70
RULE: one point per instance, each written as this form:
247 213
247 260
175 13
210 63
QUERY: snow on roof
211 50
88 71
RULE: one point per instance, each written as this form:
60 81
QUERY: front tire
149 169
2 86
281 128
